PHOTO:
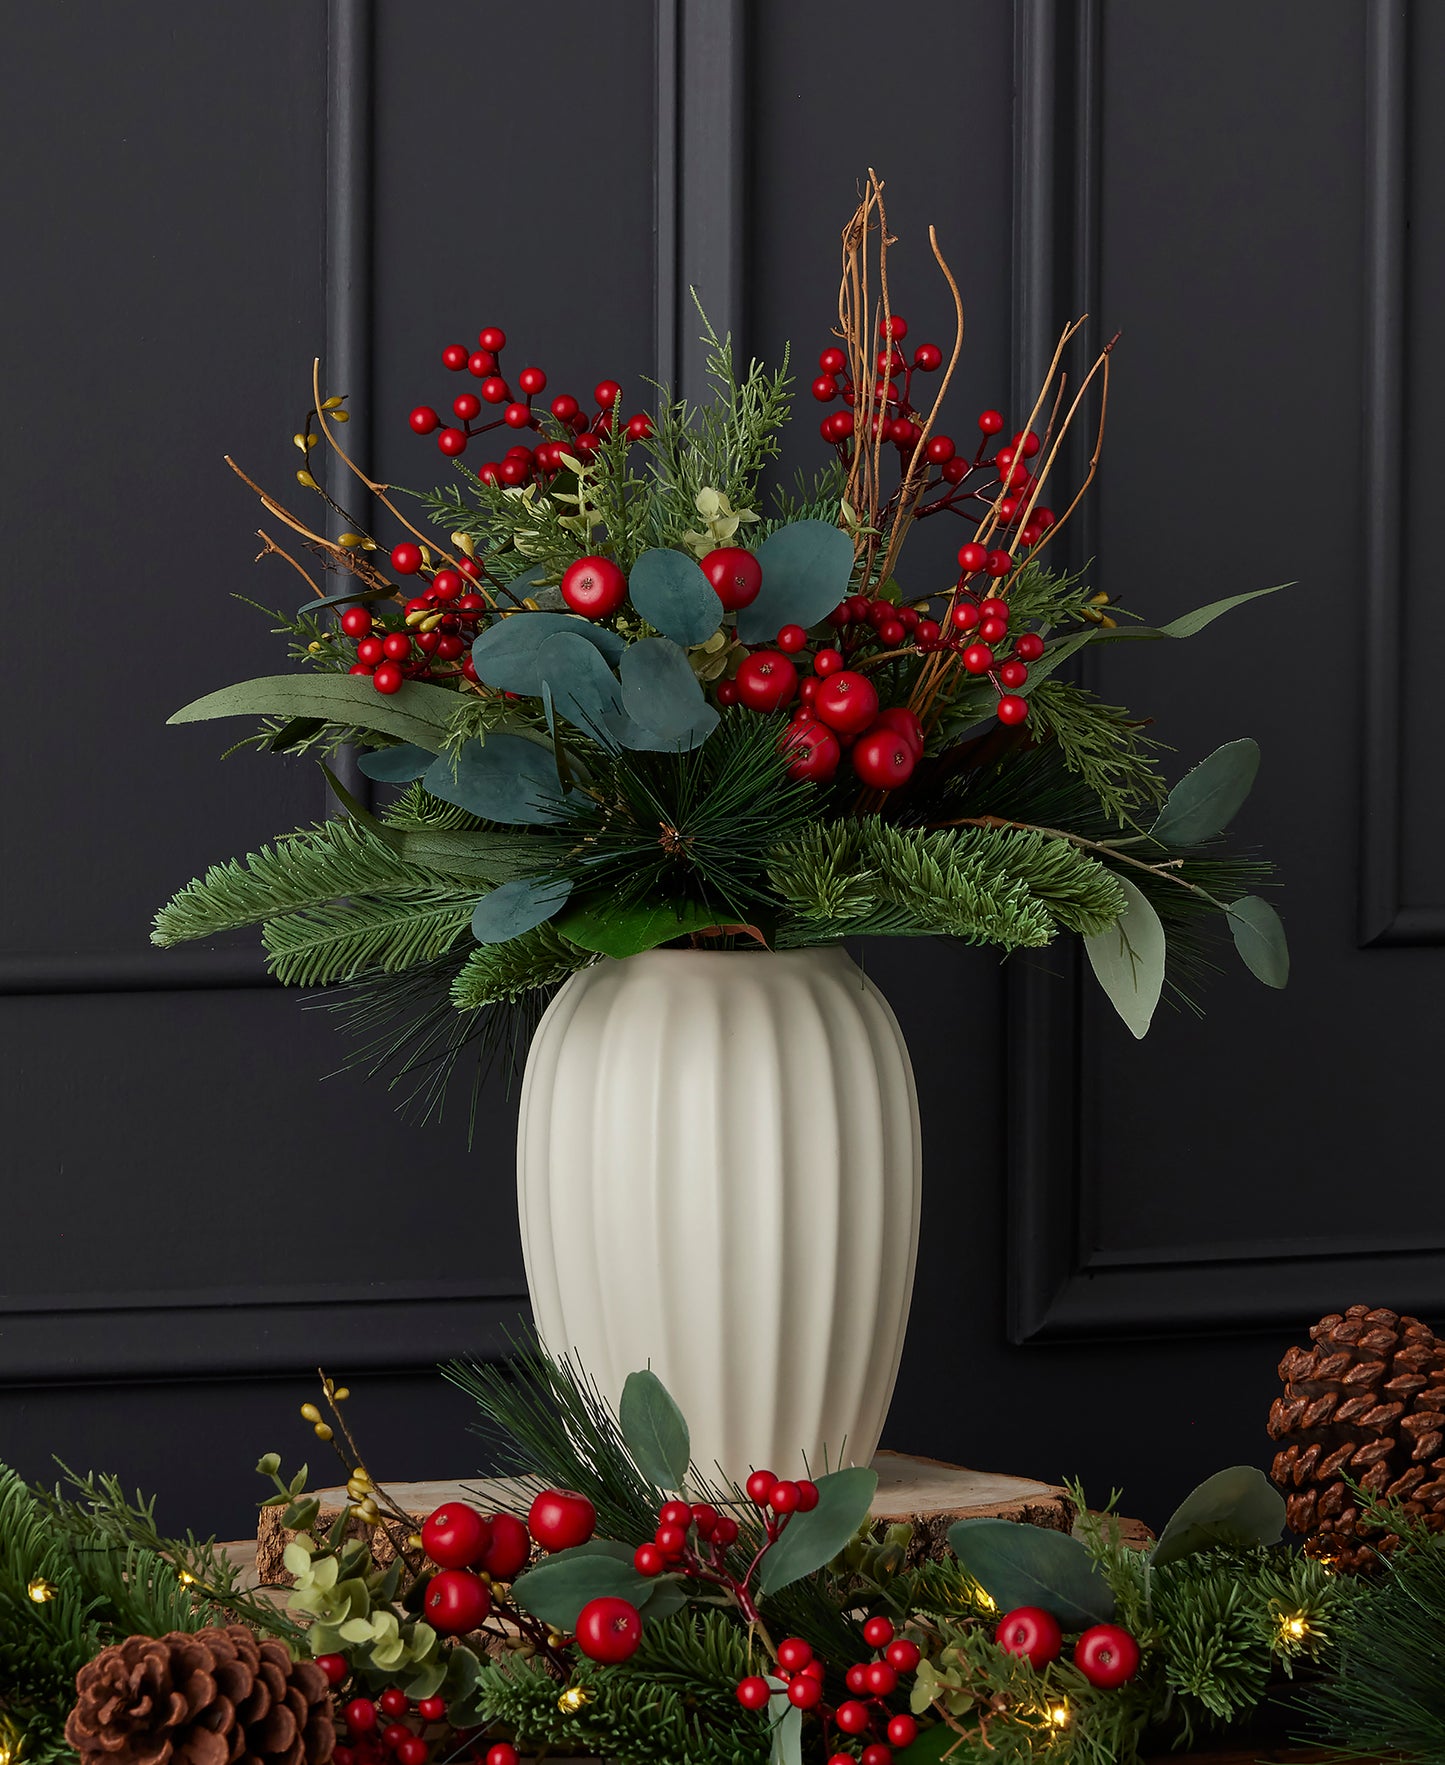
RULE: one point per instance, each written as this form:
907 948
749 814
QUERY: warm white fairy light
1059 1715
1293 1627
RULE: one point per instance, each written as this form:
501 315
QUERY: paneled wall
1118 1239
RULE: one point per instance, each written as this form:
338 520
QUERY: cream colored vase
718 1171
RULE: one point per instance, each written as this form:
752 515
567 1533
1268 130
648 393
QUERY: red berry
883 759
903 1656
808 689
607 393
1106 1655
396 646
432 1709
753 1692
454 356
675 1513
456 1601
647 1559
452 441
394 1735
878 1631
880 1679
358 668
509 1550
785 1498
492 338
940 449
725 1533
978 658
532 381
495 390
466 405
513 471
760 1486
792 638
412 1751
735 574
928 356
446 585
765 682
827 661
832 361
370 651
360 1715
564 407
991 422
963 615
853 1678
671 1540
481 363
1029 442
609 1630
1011 709
877 1754
805 1693
559 1519
815 754
424 419
1013 674
891 632
928 633
448 646
455 1536
972 556
807 1495
594 587
794 1654
705 1519
825 389
394 1701
639 427
902 1731
851 1717
334 1667
847 702
516 416
993 630
894 327
998 564
504 1753
993 609
727 692
406 558
356 622
1029 647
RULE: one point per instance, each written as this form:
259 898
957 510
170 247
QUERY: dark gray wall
1118 1239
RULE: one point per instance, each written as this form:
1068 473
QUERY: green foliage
1102 743
1013 889
503 973
344 939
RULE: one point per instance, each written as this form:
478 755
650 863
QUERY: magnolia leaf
1019 1565
1209 796
506 778
1260 940
815 1538
343 598
670 591
1187 624
655 1430
663 698
558 1588
414 713
517 907
1238 1506
293 732
399 765
1128 959
807 566
620 930
582 688
505 654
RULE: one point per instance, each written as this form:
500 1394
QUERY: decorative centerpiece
651 743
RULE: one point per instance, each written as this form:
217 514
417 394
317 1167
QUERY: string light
1059 1715
41 1590
572 1700
1293 1627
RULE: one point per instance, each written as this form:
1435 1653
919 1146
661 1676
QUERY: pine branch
341 940
503 973
1102 743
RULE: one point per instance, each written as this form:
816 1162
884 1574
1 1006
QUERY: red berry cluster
1106 1654
580 434
979 625
431 639
378 1731
695 1539
967 486
865 1713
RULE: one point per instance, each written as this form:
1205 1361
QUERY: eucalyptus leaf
345 597
506 778
1187 624
1209 795
787 1738
670 591
558 1588
1260 940
655 1430
1020 1565
582 688
1238 1506
668 1597
807 567
506 654
619 929
1128 959
815 1538
399 765
415 713
663 698
518 907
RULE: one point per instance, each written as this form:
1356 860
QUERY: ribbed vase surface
718 1169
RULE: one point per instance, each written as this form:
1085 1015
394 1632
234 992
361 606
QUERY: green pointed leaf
1187 624
344 598
1128 959
813 1539
670 591
807 566
558 1588
1020 1565
1238 1506
620 930
415 713
663 698
1260 940
506 653
669 1595
655 1430
930 1747
505 778
1209 796
400 765
293 732
787 1738
518 907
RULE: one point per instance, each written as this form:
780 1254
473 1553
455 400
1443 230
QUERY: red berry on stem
891 633
609 1630
792 638
847 702
993 630
455 1536
492 338
394 1735
972 556
807 1495
564 407
559 1519
495 390
358 668
334 1667
825 389
754 1692
880 1679
504 1753
993 609
647 1559
452 441
516 416
370 651
480 363
432 1709
670 1540
396 646
356 622
1029 647
794 1654
675 1513
594 587
639 427
805 1693
509 1550
853 1678
998 563
928 633
963 615
446 585
490 473
832 361
991 422
454 356
1106 1655
532 381
851 1717
928 356
406 558
883 759
902 1731
412 1751
1013 674
759 1487
466 405
978 658
903 1656
1011 709
827 661
1028 441
727 692
878 1631
815 754
607 393
876 1754
940 449
360 1716
424 419
513 471
735 574
894 327
785 1498
456 1601
765 681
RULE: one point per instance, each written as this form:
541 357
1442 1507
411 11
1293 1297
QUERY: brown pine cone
204 1697
1366 1402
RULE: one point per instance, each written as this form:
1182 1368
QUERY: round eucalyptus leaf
672 594
399 765
505 654
807 566
663 698
583 689
507 778
518 907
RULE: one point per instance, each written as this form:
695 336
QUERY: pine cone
204 1697
1367 1402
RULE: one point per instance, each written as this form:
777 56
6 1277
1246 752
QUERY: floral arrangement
618 699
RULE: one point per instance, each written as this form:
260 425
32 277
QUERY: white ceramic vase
718 1169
